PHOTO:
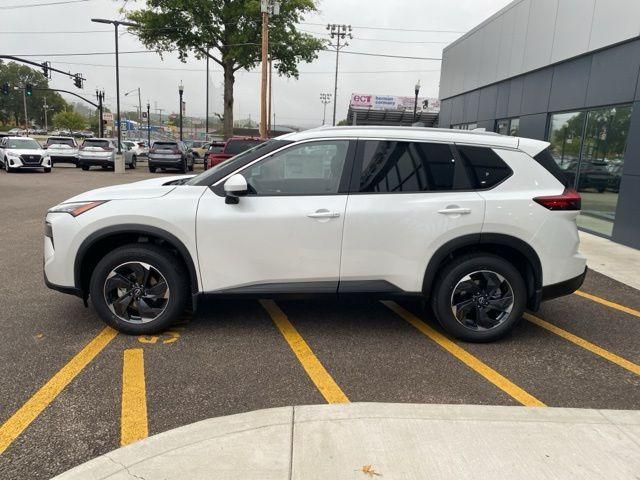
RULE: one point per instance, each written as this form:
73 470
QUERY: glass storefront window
502 127
514 128
590 147
565 136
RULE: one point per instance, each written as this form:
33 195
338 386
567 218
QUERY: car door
408 198
285 235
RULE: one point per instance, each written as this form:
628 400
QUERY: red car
232 147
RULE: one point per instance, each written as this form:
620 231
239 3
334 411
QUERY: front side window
390 166
313 168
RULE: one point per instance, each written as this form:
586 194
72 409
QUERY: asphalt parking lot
71 390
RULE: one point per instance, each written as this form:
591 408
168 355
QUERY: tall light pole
116 24
267 7
325 98
148 124
139 107
206 117
415 102
180 92
339 32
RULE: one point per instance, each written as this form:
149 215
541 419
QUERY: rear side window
485 169
545 158
390 166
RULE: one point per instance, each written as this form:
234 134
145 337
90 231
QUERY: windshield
236 162
238 146
216 148
60 141
22 144
167 145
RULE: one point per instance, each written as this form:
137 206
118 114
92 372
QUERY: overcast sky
295 102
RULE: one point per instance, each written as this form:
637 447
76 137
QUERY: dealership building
566 71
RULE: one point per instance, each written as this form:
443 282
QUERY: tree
69 121
233 29
11 106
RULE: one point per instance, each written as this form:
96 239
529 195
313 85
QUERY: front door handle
455 211
323 214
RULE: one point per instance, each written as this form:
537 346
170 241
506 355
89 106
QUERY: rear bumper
165 162
96 162
563 288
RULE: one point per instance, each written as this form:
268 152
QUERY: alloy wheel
136 292
482 300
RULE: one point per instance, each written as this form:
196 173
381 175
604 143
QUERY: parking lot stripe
316 371
133 417
587 345
40 400
467 358
608 303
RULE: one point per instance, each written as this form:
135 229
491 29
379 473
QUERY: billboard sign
393 102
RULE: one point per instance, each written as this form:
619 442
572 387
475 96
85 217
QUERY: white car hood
32 151
151 188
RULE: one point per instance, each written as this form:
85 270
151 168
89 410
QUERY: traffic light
5 88
28 89
45 69
77 80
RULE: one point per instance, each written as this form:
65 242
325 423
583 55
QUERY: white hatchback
480 224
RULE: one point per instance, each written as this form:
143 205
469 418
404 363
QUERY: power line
15 7
55 32
382 39
390 29
350 52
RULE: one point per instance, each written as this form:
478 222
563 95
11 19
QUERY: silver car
101 152
62 150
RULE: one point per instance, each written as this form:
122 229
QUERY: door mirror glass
234 187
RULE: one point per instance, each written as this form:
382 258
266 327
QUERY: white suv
481 224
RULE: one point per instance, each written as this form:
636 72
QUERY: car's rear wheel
47 170
184 168
134 161
479 297
152 169
139 289
85 167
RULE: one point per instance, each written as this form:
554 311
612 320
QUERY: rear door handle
323 214
455 211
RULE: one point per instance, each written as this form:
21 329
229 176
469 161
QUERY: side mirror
234 187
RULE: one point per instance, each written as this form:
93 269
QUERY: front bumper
15 163
61 288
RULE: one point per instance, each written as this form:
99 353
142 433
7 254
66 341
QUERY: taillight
107 149
569 200
176 151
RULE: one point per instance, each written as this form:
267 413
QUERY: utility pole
100 97
24 102
325 98
181 92
267 7
45 107
148 124
206 119
339 32
270 94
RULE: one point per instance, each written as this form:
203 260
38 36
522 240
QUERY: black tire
171 268
134 161
85 167
184 168
191 167
77 165
47 170
449 277
152 169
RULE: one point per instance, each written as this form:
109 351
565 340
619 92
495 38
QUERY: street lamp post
339 32
180 92
100 98
116 24
148 124
415 103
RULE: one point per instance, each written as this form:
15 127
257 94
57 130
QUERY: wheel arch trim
132 228
478 240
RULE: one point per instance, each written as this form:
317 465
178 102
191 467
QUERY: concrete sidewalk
611 259
386 441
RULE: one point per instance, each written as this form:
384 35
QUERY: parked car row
218 152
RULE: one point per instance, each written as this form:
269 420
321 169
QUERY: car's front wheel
479 297
139 289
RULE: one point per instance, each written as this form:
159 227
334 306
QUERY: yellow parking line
133 418
581 342
316 371
40 400
468 359
608 303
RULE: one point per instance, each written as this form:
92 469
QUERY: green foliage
342 123
231 31
69 121
11 106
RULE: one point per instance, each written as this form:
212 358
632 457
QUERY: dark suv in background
170 155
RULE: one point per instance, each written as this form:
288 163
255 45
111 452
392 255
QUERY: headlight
12 154
75 208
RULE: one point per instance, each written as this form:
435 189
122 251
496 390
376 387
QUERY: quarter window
484 167
389 166
313 168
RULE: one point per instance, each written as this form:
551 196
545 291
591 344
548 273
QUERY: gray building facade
566 71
